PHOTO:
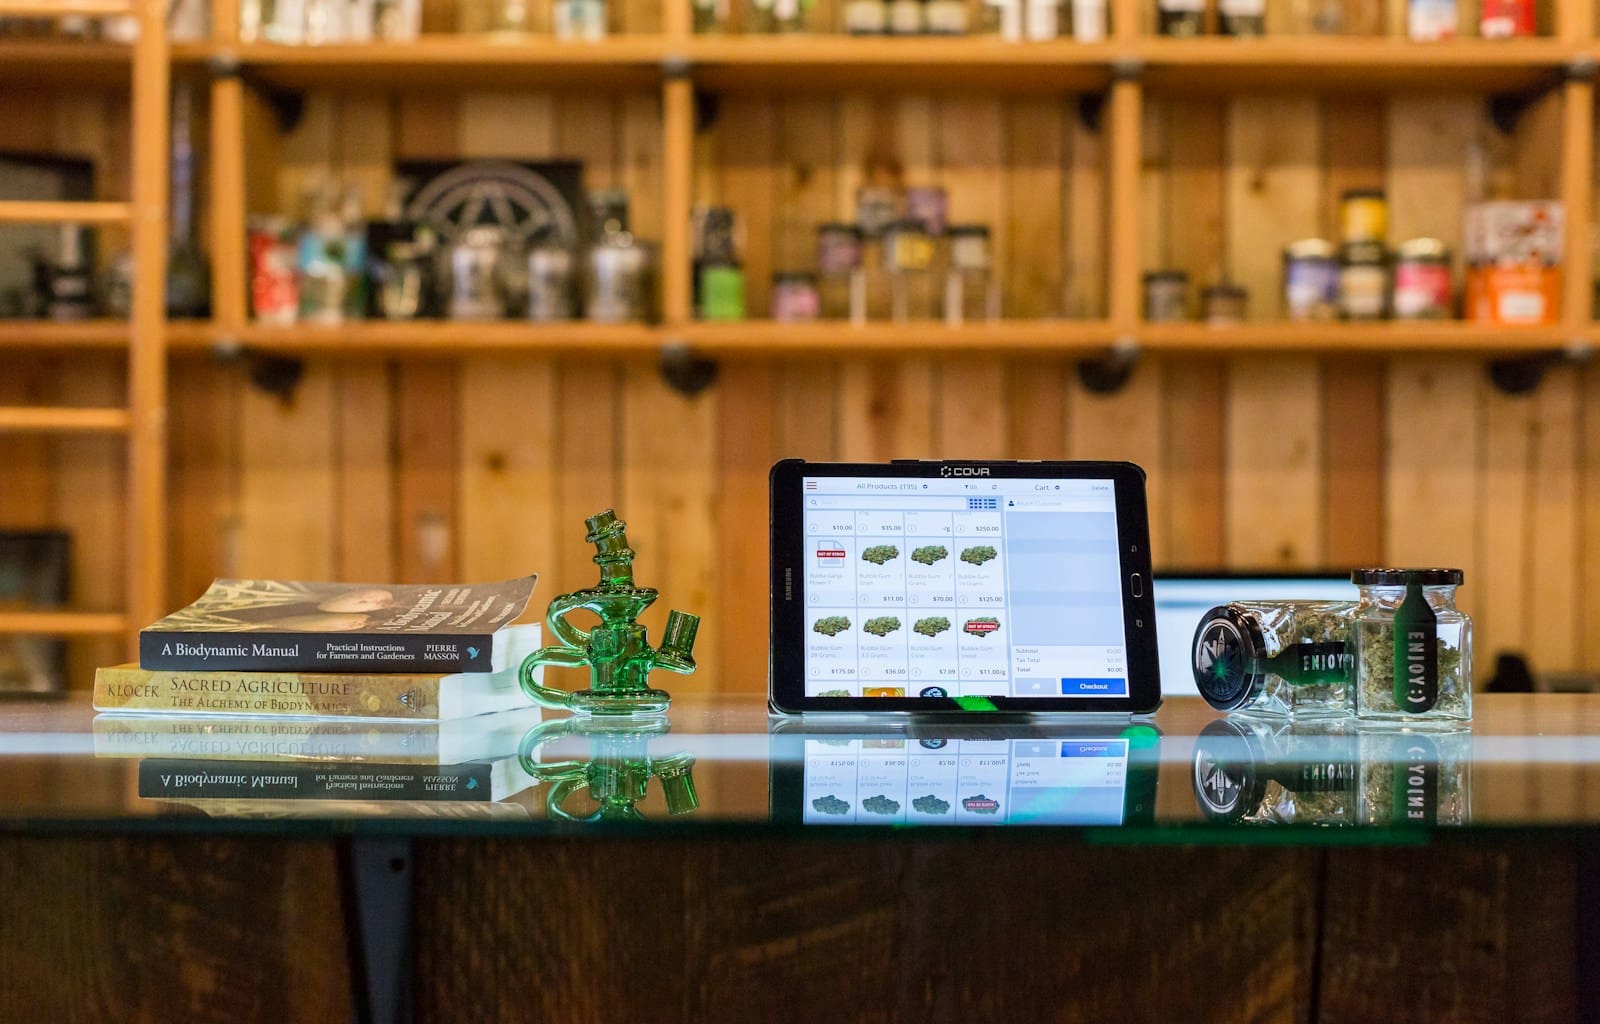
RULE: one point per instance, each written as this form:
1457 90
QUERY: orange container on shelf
1514 294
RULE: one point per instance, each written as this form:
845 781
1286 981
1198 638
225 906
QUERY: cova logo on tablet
964 471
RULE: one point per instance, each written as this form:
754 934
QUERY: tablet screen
950 587
965 781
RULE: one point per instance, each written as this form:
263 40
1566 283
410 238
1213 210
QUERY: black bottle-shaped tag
1310 664
1416 652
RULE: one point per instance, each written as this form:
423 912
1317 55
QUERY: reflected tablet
961 586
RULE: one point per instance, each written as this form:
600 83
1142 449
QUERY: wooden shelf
833 62
764 339
1390 338
440 338
52 62
42 212
62 420
455 62
63 623
1378 65
59 336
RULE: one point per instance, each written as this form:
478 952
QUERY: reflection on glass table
1525 762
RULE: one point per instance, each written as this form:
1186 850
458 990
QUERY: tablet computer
949 586
1079 774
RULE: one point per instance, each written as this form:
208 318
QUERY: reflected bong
616 651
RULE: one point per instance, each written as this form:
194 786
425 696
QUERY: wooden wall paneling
1193 213
1036 403
590 445
204 496
642 167
1034 167
1432 142
426 125
306 154
1553 586
806 407
1274 188
1434 433
1155 178
90 487
1083 288
508 441
1192 457
1506 539
1354 151
854 140
30 483
94 126
505 124
1127 424
366 148
586 130
748 445
428 420
670 454
1122 116
806 193
747 155
286 480
885 409
364 548
1589 547
1536 149
1274 497
1352 463
971 146
641 16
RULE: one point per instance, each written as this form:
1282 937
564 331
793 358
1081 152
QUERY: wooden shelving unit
670 82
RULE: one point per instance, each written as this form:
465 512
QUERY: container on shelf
1422 286
71 284
1089 21
1431 21
928 206
877 207
1242 18
1282 658
1042 20
905 18
552 275
274 286
1001 18
710 16
403 281
1181 18
1224 304
722 292
619 270
477 279
795 298
1507 19
1166 296
1363 281
581 20
1513 255
865 17
1413 647
946 17
841 284
1363 216
1310 280
908 252
971 292
770 17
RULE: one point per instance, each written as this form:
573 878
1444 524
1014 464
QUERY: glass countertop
1527 762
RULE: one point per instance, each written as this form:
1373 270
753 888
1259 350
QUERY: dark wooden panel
170 929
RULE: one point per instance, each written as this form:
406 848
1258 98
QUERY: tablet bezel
786 678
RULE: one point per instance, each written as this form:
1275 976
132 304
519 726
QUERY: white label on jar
1521 307
1361 291
786 10
1242 8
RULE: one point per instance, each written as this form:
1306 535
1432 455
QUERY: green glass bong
617 773
616 651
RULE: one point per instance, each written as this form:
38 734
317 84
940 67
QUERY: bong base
629 702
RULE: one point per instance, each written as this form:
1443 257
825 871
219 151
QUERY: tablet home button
1136 585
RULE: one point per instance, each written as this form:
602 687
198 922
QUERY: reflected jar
1288 659
1416 778
1413 647
1274 772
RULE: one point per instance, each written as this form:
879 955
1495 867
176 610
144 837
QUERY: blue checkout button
1100 687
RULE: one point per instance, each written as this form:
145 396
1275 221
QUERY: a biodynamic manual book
276 626
477 781
410 697
305 740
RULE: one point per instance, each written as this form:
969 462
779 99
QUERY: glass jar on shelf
842 286
579 20
865 17
1413 647
908 258
710 16
971 292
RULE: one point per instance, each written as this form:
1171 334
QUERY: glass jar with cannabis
1413 647
1264 771
1288 658
1416 777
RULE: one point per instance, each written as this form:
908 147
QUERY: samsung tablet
1080 774
961 586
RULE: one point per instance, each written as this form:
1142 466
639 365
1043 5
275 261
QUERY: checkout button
1101 687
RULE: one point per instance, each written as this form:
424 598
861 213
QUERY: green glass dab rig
616 651
617 773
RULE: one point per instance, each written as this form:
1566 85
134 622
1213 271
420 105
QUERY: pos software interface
938 586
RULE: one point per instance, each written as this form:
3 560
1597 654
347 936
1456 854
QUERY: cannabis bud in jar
1414 647
1276 772
1411 777
1291 658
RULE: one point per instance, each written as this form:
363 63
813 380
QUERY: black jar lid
1227 647
1402 577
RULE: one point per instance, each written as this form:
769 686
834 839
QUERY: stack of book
264 694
